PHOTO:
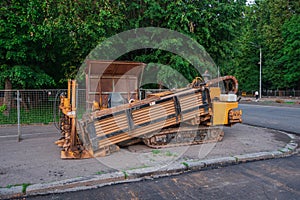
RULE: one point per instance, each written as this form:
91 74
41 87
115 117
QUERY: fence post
294 92
18 115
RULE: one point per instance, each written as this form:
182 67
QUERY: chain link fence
281 93
41 106
28 106
273 93
21 107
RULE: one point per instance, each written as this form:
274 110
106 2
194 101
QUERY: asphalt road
280 118
271 179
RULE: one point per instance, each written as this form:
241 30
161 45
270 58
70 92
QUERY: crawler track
182 136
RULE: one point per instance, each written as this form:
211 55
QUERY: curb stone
75 184
155 172
96 181
194 165
253 157
13 192
218 162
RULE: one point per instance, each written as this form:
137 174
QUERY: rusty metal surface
121 123
226 79
104 77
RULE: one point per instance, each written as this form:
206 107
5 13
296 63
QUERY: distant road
280 118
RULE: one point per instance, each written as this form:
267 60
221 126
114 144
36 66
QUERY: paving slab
36 159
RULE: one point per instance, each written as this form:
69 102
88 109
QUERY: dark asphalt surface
280 118
271 179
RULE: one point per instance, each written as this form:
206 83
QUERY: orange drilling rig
116 114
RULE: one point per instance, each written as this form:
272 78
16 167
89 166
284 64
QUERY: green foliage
168 153
245 63
2 108
24 187
156 151
45 41
212 24
170 70
53 35
185 164
290 53
26 77
271 25
275 27
125 174
34 115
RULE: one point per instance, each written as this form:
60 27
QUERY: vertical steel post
218 76
69 90
18 115
294 92
260 58
76 97
73 120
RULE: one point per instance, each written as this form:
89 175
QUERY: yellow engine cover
221 110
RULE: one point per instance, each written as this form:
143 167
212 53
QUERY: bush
2 108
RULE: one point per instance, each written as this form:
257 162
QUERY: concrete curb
96 181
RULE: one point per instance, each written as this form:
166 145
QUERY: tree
21 44
273 14
266 25
245 61
23 77
53 36
213 24
290 53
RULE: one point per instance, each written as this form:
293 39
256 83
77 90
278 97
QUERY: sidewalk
35 161
273 101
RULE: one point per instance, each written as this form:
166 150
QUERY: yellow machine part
221 111
215 92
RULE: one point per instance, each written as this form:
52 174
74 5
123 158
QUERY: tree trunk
7 97
24 101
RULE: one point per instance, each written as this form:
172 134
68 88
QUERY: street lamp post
260 63
260 56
